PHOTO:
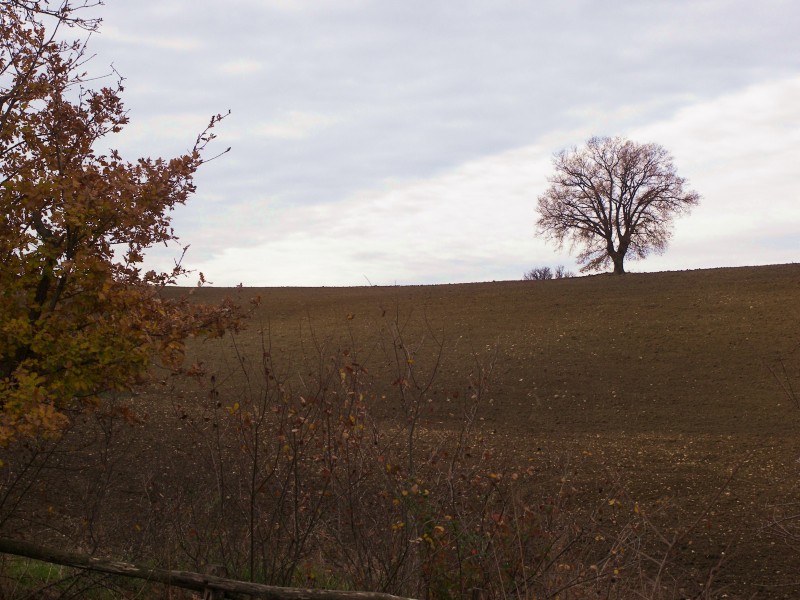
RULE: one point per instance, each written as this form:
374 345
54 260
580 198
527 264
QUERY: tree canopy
613 198
78 315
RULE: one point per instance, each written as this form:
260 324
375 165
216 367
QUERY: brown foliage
612 198
77 314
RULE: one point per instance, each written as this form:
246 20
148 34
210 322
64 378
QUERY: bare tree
538 274
611 198
562 273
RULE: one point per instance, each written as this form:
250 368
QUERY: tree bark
183 579
618 260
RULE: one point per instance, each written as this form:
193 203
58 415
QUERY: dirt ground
670 387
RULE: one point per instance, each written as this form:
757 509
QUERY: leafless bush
562 273
544 273
294 480
538 274
309 488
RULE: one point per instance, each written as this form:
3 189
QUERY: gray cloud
338 100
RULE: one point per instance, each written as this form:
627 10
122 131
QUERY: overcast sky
406 141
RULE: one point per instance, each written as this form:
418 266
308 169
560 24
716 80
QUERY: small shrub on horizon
544 273
538 274
562 273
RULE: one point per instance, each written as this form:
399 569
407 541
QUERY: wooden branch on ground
183 579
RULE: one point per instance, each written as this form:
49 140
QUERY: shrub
538 274
562 273
542 273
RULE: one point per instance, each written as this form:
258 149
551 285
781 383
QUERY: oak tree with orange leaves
78 314
614 198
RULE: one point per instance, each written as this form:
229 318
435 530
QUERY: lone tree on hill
78 316
611 198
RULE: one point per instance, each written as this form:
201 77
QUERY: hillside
650 407
663 383
672 352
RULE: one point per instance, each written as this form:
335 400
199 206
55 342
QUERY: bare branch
612 198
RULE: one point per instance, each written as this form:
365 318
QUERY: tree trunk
199 582
618 259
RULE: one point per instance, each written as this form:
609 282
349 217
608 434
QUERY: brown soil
668 384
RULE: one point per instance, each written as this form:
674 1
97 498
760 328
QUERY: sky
406 142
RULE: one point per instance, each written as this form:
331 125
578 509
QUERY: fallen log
211 585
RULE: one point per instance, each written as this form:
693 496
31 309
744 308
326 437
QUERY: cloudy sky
406 141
